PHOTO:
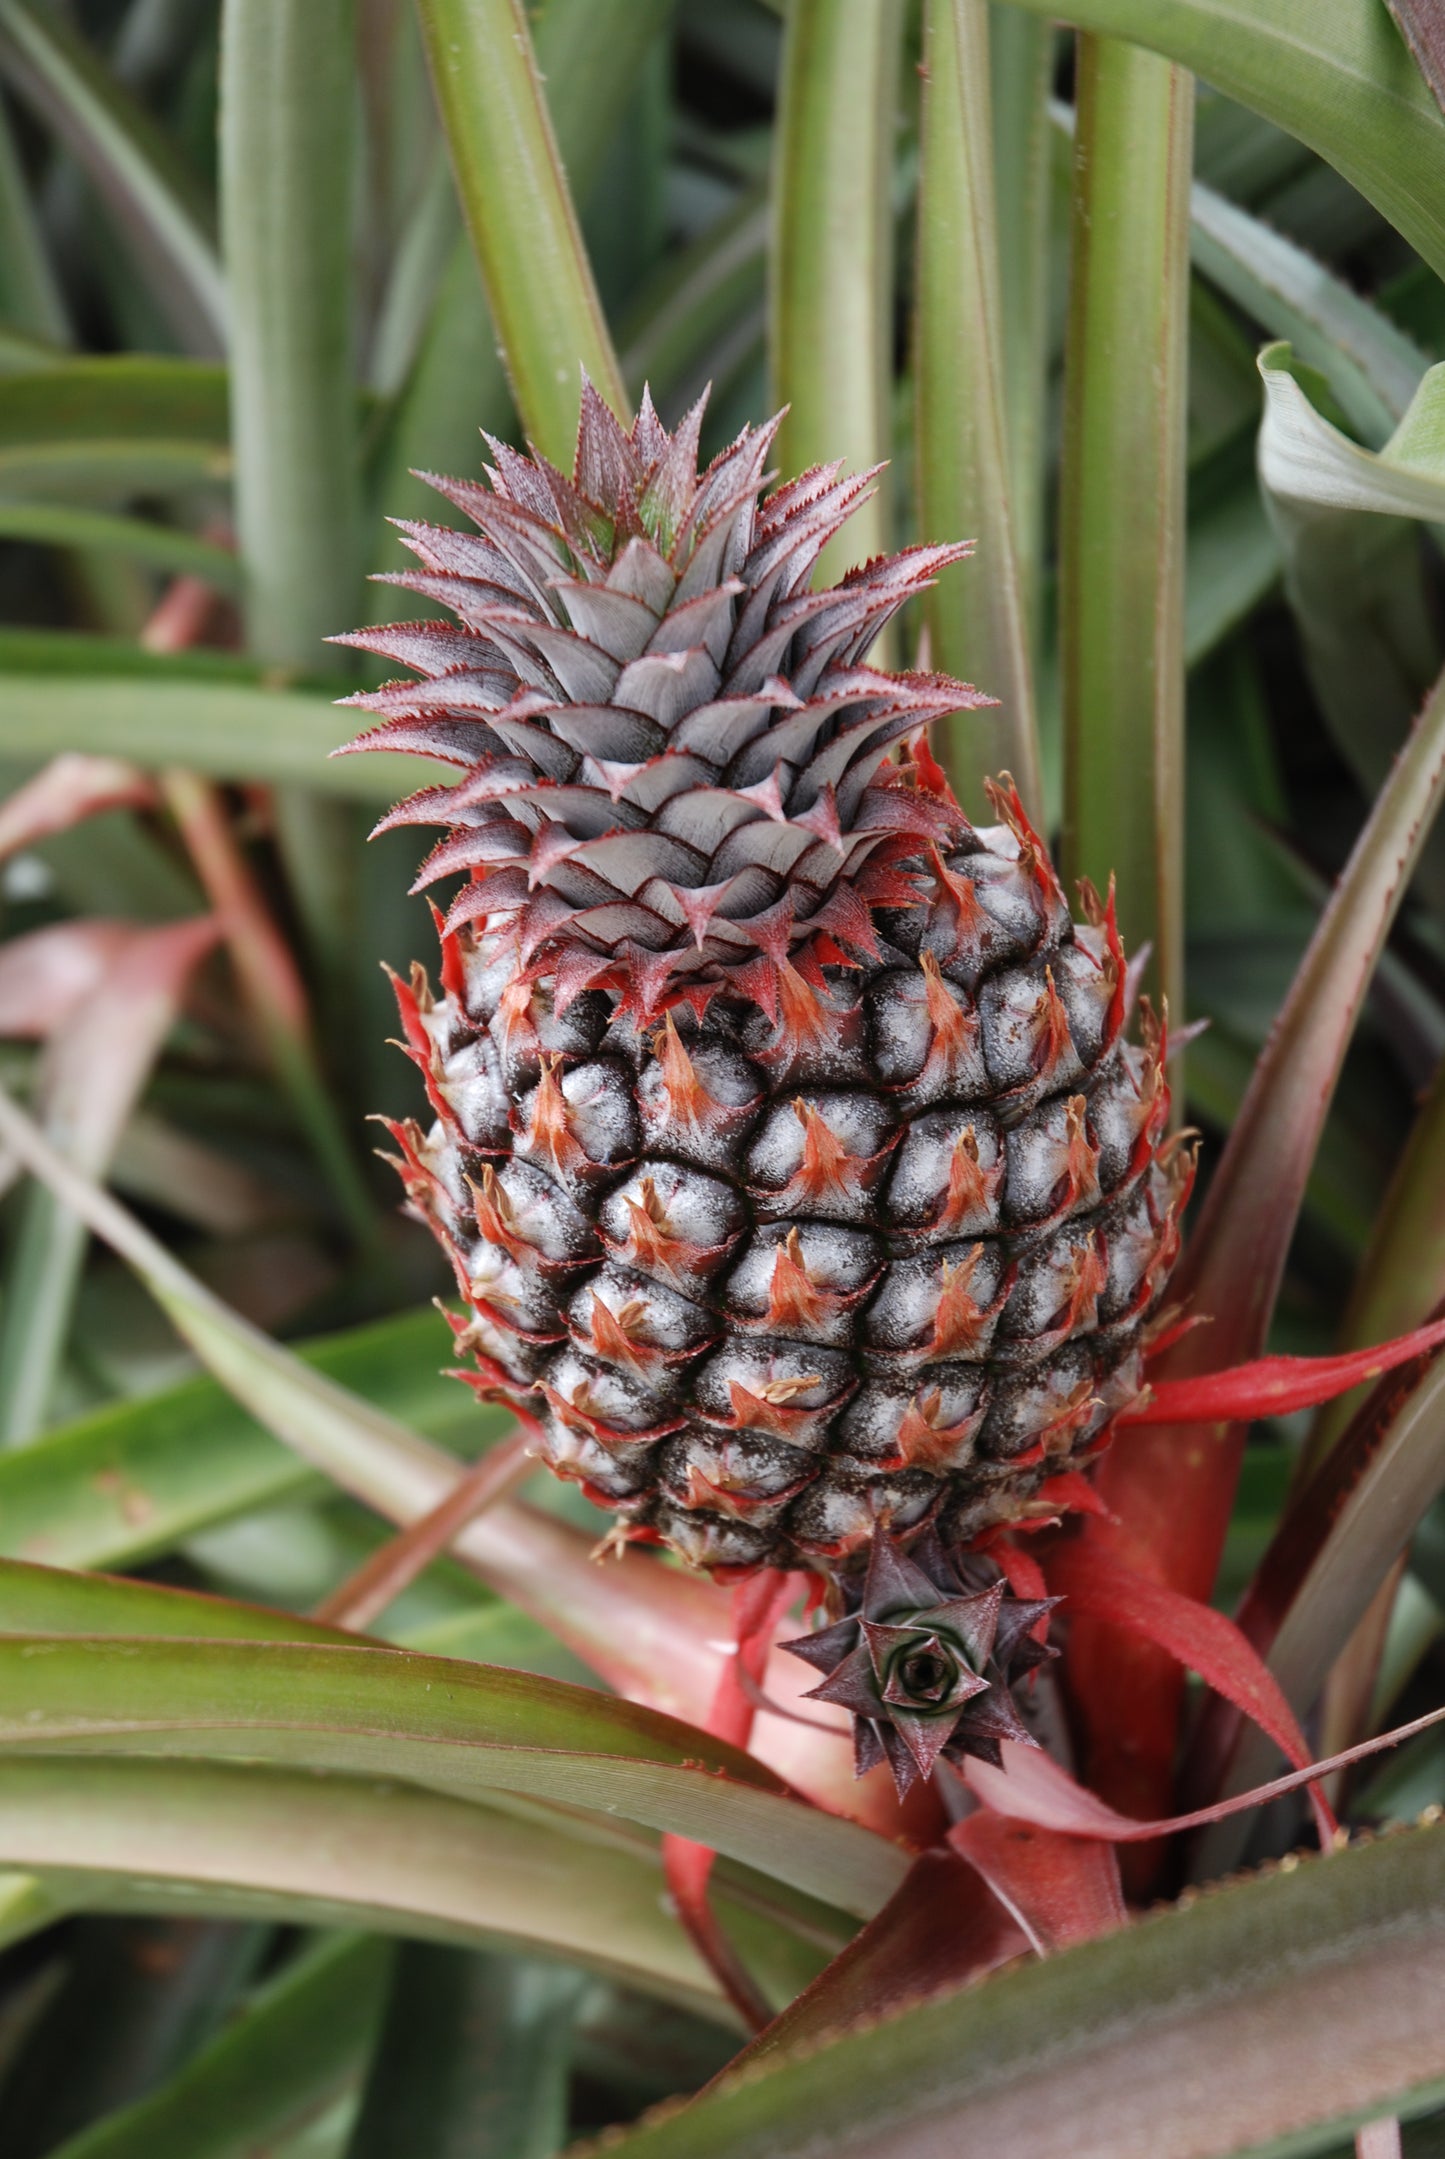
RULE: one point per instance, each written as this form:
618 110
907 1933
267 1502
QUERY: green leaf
30 298
161 547
135 1479
473 2059
292 2048
830 305
132 166
174 715
58 1601
519 213
1304 458
1121 568
225 1841
1372 366
101 429
1352 569
465 1730
1316 1987
702 311
1332 72
976 612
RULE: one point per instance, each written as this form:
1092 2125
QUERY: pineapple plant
790 1148
799 1147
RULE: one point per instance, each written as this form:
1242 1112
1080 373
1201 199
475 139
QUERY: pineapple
797 1173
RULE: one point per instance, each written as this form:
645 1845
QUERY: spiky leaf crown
673 756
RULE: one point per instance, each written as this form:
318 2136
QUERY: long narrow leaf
227 729
1121 572
97 429
292 2048
976 613
461 1729
30 298
830 311
133 168
519 213
1373 367
1316 1987
1332 72
335 1851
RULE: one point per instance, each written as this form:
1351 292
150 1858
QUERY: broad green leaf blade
1332 72
461 1729
830 304
1372 366
99 429
1121 568
225 1841
1316 1988
473 2058
519 213
1175 1487
976 614
292 2048
131 164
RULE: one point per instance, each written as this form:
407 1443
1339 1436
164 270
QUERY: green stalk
519 213
1020 61
1121 571
831 269
976 614
287 153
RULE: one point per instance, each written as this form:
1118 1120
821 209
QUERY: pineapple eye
926 1674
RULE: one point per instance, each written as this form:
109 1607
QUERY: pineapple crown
675 769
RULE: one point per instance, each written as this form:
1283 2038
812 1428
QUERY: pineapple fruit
797 1171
